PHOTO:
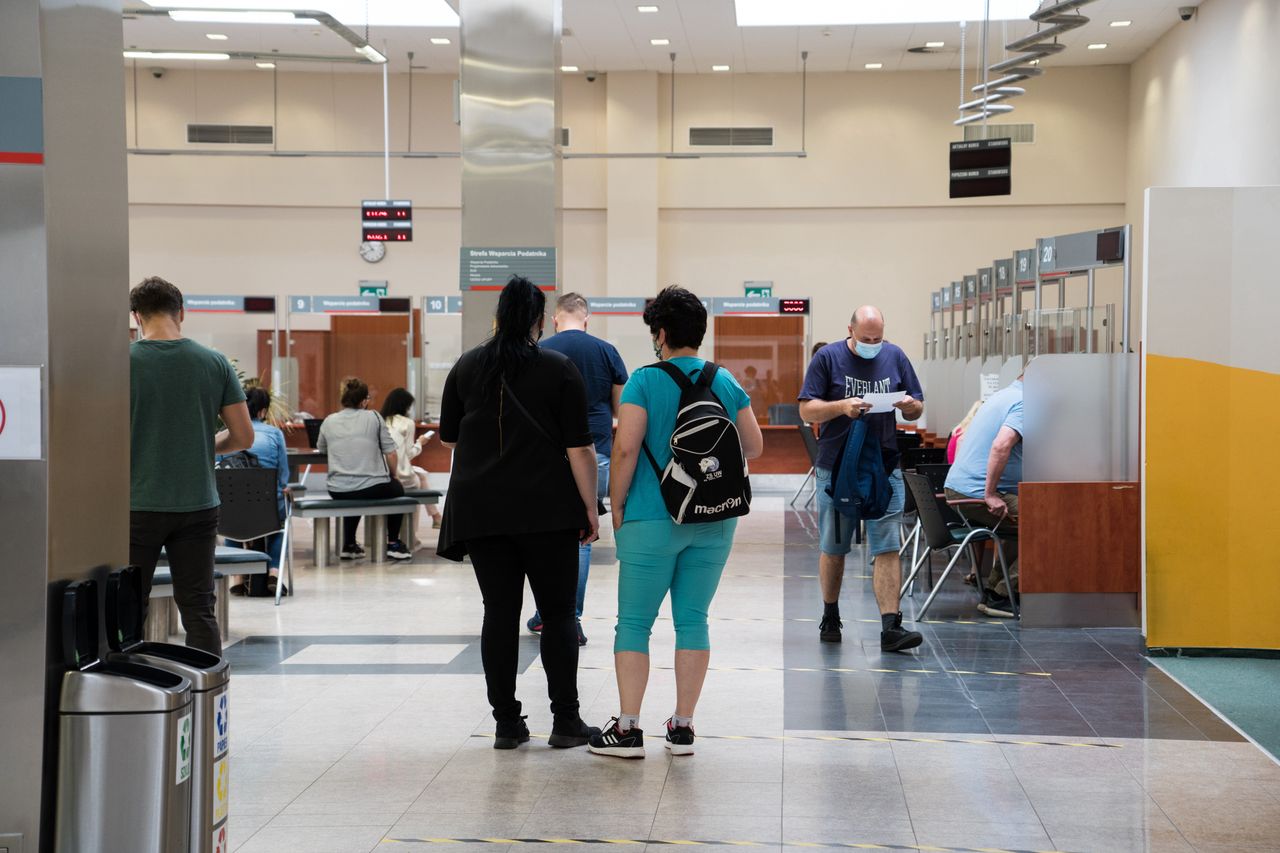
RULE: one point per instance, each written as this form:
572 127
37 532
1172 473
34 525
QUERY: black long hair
397 403
520 306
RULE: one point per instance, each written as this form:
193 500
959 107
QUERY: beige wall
865 217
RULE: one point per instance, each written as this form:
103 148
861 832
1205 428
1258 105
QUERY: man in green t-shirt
177 391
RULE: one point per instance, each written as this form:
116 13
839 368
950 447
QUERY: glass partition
768 355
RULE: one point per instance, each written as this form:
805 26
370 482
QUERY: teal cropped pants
660 556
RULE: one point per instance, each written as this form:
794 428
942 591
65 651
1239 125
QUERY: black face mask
657 348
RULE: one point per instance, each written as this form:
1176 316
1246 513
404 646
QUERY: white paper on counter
881 403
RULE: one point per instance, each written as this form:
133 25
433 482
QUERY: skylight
835 13
381 13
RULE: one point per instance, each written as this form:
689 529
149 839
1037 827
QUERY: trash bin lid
80 625
121 687
205 671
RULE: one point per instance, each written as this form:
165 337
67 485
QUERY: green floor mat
1244 690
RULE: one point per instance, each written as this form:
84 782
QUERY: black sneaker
571 733
534 624
898 639
582 638
397 551
351 552
679 739
829 630
614 741
998 606
511 733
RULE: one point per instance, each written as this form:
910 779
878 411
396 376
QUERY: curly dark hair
681 314
154 296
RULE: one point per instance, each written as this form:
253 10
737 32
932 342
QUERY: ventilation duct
230 134
731 136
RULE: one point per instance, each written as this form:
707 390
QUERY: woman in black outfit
522 496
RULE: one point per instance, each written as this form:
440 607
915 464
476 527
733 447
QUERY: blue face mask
867 350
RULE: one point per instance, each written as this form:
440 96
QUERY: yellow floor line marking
872 739
677 842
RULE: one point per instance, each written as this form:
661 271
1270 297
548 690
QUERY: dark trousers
188 539
391 489
550 561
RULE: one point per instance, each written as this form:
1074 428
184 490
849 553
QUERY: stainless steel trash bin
209 676
125 746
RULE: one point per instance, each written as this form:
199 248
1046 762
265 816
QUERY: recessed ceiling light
646 10
215 36
568 69
832 13
266 64
384 13
1098 46
174 55
659 42
874 66
202 16
1121 23
935 44
439 40
719 68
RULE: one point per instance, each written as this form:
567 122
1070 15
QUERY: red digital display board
386 221
259 304
793 306
401 233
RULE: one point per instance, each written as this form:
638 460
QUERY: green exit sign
757 289
373 288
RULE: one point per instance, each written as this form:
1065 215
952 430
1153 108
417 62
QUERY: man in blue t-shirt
988 468
839 375
604 374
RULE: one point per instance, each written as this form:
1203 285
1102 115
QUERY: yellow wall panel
1213 568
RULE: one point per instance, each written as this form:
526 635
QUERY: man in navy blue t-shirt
839 376
604 374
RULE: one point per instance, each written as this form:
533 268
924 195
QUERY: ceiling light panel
1121 23
1099 46
175 55
873 66
384 13
440 41
646 10
198 16
659 42
568 69
265 64
215 36
935 44
720 68
837 13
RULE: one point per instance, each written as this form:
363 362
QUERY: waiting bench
164 623
374 511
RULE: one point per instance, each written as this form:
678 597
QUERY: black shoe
829 630
998 606
534 624
397 551
351 552
582 638
898 639
511 733
614 741
571 733
679 739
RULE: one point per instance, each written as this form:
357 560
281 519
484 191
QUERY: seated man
988 468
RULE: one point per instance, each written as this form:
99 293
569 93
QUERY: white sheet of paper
883 402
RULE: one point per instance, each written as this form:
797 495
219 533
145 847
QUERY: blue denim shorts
884 535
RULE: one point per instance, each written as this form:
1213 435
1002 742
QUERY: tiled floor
360 723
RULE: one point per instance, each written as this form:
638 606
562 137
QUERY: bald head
867 325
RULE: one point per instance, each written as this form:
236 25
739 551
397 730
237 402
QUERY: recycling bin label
184 748
221 789
221 725
220 840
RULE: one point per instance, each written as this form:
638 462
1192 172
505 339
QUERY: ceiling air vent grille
564 137
230 134
731 136
1021 134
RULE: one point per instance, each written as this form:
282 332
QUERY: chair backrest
937 476
313 430
784 414
810 442
914 457
909 440
250 503
936 533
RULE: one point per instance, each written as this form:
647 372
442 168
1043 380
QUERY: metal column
65 241
510 111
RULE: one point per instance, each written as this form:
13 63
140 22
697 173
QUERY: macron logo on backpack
706 479
859 487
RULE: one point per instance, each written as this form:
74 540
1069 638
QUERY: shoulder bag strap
377 439
538 428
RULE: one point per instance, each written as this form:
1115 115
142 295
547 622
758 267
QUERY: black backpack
706 479
239 459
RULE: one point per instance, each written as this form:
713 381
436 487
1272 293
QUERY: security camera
1186 13
157 73
591 76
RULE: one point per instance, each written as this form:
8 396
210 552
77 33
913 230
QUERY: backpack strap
708 374
675 373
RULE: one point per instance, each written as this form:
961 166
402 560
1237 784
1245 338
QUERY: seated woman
395 411
269 448
361 459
